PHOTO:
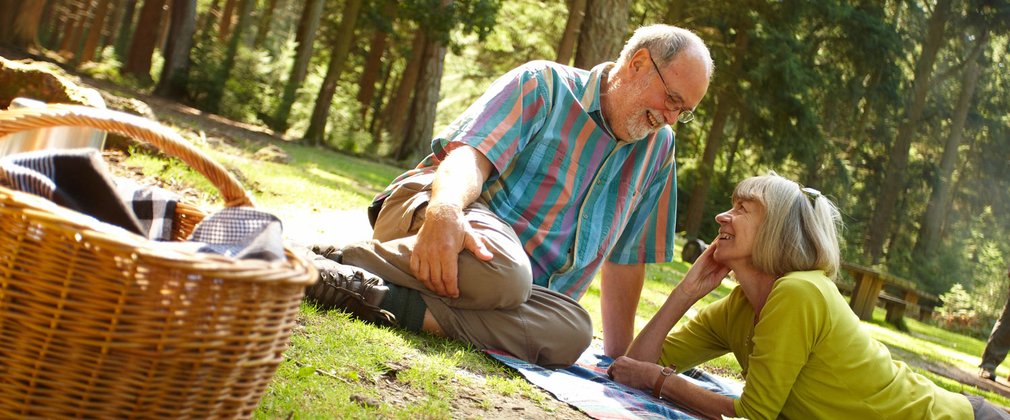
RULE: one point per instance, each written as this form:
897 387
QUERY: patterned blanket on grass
587 387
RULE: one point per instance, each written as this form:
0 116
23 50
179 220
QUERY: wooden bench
895 308
903 297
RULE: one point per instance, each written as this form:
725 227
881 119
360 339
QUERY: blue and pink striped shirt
574 194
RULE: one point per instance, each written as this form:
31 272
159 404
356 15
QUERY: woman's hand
634 373
704 276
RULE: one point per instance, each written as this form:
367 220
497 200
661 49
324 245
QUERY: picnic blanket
587 387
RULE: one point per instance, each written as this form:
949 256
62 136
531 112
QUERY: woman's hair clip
812 194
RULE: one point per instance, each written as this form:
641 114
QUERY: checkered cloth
586 386
75 178
153 207
241 232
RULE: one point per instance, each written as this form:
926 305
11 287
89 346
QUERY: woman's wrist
664 374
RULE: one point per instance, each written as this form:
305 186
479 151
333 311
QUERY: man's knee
563 342
502 283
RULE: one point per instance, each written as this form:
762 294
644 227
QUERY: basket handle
165 139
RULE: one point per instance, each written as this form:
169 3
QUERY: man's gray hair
664 42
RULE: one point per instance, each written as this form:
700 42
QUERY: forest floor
213 125
200 121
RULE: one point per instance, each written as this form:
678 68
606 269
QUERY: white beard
637 124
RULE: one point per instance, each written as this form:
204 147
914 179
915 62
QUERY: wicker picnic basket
99 323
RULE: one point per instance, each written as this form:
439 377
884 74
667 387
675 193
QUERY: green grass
338 367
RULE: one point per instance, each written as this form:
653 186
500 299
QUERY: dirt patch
1000 386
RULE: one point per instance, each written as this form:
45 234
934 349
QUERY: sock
406 305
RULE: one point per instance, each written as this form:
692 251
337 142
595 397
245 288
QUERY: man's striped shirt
574 195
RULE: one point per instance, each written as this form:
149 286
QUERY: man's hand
443 236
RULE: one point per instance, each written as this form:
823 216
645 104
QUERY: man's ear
639 61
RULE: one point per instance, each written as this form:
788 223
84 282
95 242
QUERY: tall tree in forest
145 38
95 32
341 46
227 17
887 196
396 112
263 27
939 201
421 121
411 130
75 25
19 22
307 27
383 25
573 25
125 25
724 108
175 71
604 30
216 92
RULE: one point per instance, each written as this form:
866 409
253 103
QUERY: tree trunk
936 208
576 13
373 64
123 36
68 17
227 15
24 23
206 25
373 123
699 194
263 28
307 27
72 38
51 15
894 177
371 73
94 32
342 45
221 78
112 28
421 122
175 72
145 37
603 32
395 114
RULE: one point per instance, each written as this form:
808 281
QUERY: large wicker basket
99 323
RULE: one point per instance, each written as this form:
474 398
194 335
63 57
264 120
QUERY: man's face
646 105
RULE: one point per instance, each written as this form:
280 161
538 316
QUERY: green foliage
476 17
957 312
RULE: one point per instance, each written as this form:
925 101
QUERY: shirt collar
591 97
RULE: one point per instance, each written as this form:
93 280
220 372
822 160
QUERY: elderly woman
802 350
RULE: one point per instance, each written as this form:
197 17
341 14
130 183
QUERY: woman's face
738 229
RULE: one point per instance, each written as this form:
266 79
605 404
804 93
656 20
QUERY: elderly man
553 175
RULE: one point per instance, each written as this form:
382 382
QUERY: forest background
897 110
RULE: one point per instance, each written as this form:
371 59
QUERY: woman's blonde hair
800 228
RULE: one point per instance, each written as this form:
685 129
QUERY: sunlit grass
337 367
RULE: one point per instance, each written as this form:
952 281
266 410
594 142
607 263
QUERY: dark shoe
987 374
330 252
351 289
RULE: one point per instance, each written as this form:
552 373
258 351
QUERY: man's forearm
459 178
620 290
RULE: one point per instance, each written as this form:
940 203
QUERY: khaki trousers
498 306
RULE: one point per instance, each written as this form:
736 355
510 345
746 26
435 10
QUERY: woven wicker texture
96 322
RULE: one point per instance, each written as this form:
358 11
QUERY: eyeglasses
684 116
